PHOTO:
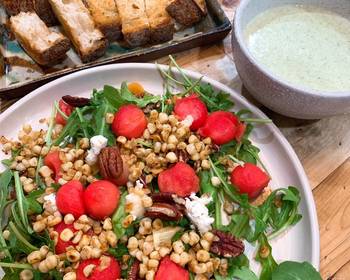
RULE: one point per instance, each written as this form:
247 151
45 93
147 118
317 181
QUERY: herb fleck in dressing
303 45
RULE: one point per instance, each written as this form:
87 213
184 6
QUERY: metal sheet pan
21 75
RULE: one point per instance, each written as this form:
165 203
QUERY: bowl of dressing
293 56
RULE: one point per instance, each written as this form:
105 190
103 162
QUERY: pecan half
162 197
76 101
164 211
226 245
110 163
134 271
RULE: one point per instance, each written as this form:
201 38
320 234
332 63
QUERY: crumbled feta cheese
187 121
198 212
133 204
50 201
97 143
139 185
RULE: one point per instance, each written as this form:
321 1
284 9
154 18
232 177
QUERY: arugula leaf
119 216
244 273
215 101
119 251
34 207
22 203
5 180
238 269
265 258
127 95
295 271
117 98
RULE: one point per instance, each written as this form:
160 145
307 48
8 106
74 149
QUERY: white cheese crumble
50 201
133 203
97 143
198 212
187 121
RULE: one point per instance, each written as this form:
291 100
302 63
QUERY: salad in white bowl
130 185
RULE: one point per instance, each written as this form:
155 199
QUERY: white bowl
299 243
273 92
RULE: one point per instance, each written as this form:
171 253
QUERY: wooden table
323 147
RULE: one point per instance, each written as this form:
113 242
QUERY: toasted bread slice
44 11
161 24
106 17
185 12
135 24
13 7
44 46
41 7
77 22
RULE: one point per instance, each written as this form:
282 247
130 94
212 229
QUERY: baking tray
20 74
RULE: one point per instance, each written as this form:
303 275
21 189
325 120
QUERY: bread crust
44 11
13 7
185 12
135 24
202 6
41 7
44 46
88 41
106 17
161 24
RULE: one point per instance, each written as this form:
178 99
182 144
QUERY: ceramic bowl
278 95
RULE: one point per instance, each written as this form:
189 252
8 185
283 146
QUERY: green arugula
118 217
295 271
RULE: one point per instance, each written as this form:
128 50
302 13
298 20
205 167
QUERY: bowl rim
237 30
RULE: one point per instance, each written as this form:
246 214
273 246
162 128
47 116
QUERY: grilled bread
161 24
44 11
202 6
41 7
13 7
43 45
77 22
106 17
135 24
185 12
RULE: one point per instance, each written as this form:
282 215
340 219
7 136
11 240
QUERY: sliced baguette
44 11
161 24
135 24
13 7
185 12
77 22
41 7
106 17
44 46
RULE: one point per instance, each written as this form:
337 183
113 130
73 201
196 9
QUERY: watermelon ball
180 179
130 121
168 270
222 127
106 268
101 198
249 179
61 245
194 107
70 199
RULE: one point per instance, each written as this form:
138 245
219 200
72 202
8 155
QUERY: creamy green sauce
303 45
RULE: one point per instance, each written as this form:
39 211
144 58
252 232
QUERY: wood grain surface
323 147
